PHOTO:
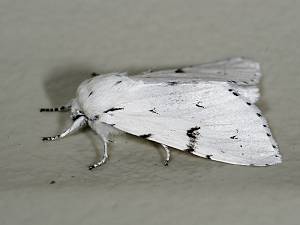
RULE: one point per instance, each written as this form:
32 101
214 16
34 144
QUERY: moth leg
166 162
77 124
105 154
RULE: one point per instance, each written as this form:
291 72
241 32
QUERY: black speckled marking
234 137
248 103
192 133
269 135
245 82
145 135
153 111
112 109
52 182
232 81
265 125
241 146
208 156
236 94
274 146
91 93
230 90
118 82
258 114
179 71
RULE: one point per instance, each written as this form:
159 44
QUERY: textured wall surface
48 47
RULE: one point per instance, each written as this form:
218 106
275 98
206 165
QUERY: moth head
76 111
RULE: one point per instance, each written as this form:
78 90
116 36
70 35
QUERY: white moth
207 110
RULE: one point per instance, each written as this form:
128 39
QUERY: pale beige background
48 47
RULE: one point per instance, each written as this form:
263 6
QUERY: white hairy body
207 110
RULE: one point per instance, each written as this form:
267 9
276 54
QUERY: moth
207 110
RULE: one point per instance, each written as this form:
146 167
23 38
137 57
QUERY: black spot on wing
113 109
90 93
153 111
235 93
209 156
172 83
118 82
199 105
248 103
258 114
234 137
179 71
145 135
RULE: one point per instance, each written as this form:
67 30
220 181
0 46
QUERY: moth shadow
262 103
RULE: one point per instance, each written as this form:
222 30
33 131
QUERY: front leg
105 154
77 124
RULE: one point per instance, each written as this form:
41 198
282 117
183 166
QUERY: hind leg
168 155
105 153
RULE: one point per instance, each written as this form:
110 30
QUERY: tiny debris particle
52 182
94 74
145 135
179 71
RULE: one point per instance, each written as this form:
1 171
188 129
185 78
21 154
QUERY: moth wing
239 71
208 119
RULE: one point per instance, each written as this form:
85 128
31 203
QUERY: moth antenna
57 109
